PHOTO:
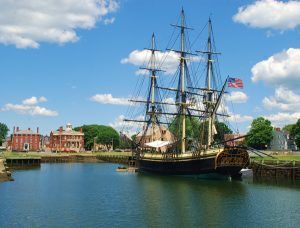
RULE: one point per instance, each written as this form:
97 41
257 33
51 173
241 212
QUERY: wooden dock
23 162
276 170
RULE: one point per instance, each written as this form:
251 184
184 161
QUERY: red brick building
67 140
25 140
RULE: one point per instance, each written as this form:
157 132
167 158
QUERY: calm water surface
88 195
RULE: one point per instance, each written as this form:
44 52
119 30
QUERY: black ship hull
227 162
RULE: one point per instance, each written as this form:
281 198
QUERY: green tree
102 134
222 129
295 133
3 132
192 127
108 136
288 128
260 134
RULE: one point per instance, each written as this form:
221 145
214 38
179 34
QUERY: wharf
5 175
23 162
276 170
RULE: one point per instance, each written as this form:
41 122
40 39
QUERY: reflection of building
67 140
159 133
236 142
25 140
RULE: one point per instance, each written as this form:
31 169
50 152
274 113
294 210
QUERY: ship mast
182 77
153 83
209 102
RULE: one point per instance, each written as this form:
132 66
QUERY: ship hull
224 163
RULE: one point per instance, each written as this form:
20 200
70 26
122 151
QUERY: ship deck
187 155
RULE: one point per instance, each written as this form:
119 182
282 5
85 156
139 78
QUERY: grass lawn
280 158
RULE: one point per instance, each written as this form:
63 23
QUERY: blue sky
55 59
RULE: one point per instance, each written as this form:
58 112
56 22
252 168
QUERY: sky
77 61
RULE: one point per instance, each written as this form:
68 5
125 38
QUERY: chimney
81 130
29 129
17 128
60 129
14 130
38 130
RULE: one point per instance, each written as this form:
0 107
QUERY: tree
101 134
222 129
108 136
288 128
260 134
192 126
194 129
295 133
3 132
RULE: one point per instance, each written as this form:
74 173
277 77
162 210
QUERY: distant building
45 143
159 133
279 141
236 142
25 140
67 140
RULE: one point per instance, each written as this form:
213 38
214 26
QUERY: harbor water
88 195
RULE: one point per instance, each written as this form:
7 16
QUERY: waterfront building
159 134
67 140
25 140
279 141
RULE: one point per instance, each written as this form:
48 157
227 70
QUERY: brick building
67 140
25 140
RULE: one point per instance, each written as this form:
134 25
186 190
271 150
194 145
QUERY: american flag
235 83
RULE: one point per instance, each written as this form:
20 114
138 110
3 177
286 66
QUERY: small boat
121 169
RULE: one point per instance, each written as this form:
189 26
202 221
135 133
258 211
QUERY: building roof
26 132
70 132
157 129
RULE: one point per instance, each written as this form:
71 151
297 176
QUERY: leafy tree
3 132
288 128
108 136
192 126
295 132
194 129
102 134
260 134
222 129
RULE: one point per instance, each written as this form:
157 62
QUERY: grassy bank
280 158
7 154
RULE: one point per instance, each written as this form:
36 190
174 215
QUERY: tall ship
183 127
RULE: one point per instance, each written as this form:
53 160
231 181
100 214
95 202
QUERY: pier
5 174
276 170
16 163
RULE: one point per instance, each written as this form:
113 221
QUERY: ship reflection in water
59 195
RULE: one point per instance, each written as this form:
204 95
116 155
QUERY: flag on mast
235 83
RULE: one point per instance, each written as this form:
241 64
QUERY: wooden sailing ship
181 155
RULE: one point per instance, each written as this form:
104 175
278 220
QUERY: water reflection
188 201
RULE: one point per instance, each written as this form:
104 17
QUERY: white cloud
127 127
284 99
283 118
238 118
280 69
273 14
29 107
27 23
109 99
109 21
34 100
29 110
170 60
236 97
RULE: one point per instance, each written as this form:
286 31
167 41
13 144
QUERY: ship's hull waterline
225 163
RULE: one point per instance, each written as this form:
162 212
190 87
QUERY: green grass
7 154
280 158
